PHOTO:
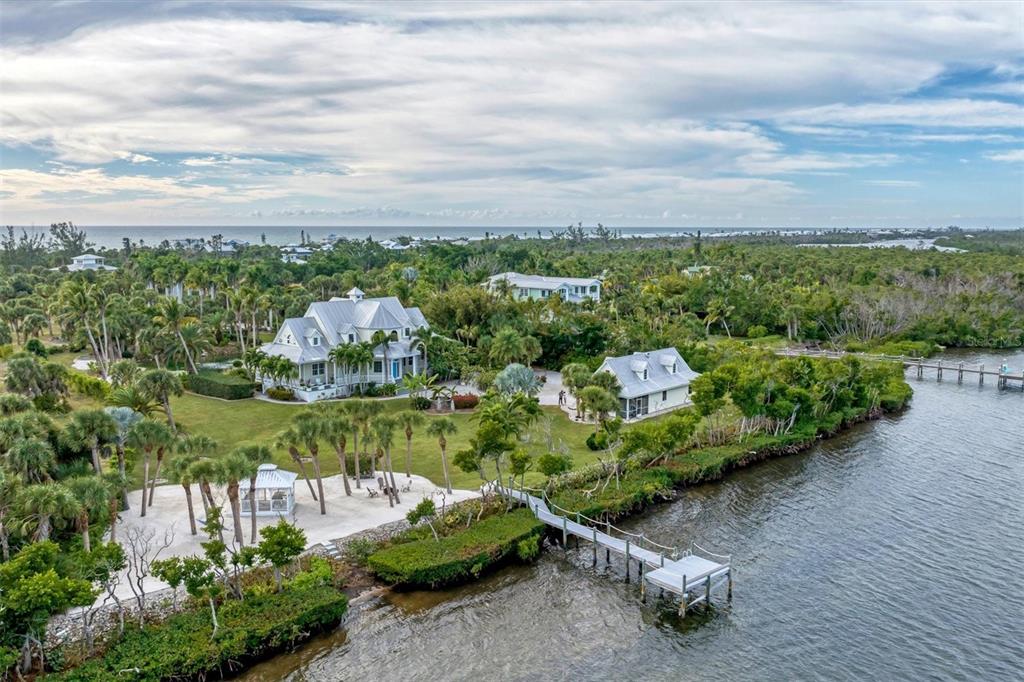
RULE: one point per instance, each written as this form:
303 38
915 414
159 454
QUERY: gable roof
269 476
542 282
658 364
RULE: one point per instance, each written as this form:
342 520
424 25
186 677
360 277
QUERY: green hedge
180 648
219 385
462 556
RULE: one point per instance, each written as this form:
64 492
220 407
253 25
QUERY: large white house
571 289
652 383
308 340
88 261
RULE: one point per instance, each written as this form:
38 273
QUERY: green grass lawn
244 422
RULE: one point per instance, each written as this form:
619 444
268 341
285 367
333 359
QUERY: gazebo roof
269 476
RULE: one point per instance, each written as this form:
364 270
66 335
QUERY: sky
630 114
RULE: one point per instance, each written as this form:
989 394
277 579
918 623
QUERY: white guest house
652 383
571 289
307 341
88 261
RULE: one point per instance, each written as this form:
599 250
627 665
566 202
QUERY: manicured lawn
244 422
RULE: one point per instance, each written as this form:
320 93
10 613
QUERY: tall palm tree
440 428
10 487
408 420
160 385
43 505
507 346
340 356
171 315
357 415
92 428
291 440
145 437
362 357
309 428
180 470
132 398
117 490
256 455
335 427
124 419
384 434
91 494
203 472
31 459
233 468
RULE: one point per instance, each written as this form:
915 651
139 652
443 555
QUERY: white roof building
275 492
308 340
572 289
651 383
88 261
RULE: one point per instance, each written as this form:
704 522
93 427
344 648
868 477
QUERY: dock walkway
691 573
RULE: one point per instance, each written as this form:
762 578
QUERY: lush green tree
441 428
407 420
281 544
92 429
91 493
160 385
146 437
517 378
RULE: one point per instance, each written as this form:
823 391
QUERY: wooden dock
692 573
1004 378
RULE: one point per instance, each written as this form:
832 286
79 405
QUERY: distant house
571 289
307 341
698 270
294 253
652 383
88 261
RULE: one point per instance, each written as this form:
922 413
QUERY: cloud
900 184
1013 156
132 157
947 113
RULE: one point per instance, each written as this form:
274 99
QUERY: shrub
757 331
91 387
465 401
358 551
553 463
419 403
36 347
219 385
461 556
388 389
597 440
370 390
280 393
364 464
528 549
181 646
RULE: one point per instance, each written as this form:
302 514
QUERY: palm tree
91 494
124 373
91 428
42 505
132 398
441 428
575 377
31 459
597 401
191 448
308 427
232 469
172 317
340 355
194 339
335 427
256 455
124 419
362 357
507 346
383 339
117 491
10 486
203 471
291 440
407 420
180 470
160 385
384 434
147 436
358 416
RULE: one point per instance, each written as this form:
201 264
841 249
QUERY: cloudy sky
678 114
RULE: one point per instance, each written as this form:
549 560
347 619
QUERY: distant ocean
112 236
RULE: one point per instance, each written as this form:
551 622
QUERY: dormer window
406 332
288 338
314 340
673 367
351 338
645 375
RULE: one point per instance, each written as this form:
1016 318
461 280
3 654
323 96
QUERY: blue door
395 369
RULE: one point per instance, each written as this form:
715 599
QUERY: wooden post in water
565 533
682 601
939 367
920 369
728 594
627 561
960 374
981 375
595 546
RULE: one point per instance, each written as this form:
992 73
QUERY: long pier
1004 379
691 573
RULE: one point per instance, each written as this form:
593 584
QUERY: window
378 366
406 332
318 369
645 375
314 340
351 338
664 396
673 366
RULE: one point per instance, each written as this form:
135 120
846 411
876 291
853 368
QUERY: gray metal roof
542 282
628 369
269 477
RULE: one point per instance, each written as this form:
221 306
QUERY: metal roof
628 369
268 476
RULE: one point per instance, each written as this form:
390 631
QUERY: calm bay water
890 552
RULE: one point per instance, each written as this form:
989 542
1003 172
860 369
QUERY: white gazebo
275 491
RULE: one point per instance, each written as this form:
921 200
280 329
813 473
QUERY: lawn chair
407 487
372 493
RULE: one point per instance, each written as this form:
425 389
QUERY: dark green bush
597 440
219 385
36 347
181 647
420 403
462 556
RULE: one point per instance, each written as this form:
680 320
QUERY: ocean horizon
112 236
